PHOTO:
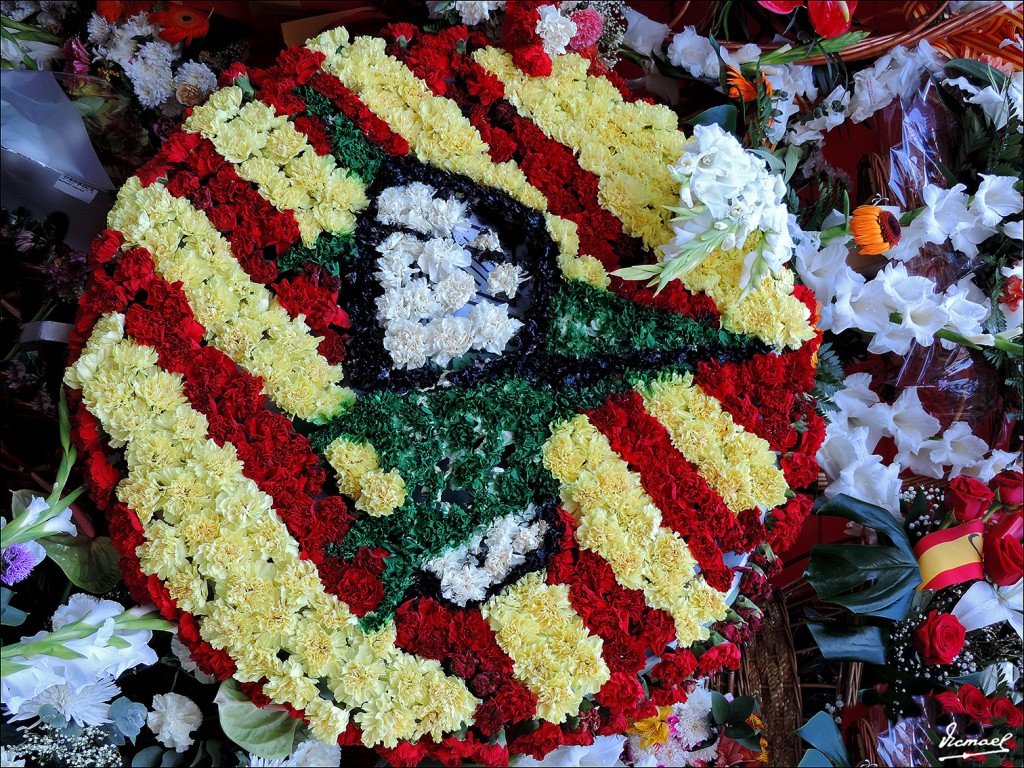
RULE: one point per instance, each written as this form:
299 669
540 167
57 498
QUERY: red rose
968 497
940 638
949 702
532 60
975 703
1004 558
1009 487
1004 709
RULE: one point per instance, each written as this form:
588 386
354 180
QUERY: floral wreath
374 421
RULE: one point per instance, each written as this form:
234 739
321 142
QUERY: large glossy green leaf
725 116
873 580
822 733
88 563
814 759
267 733
979 72
849 643
868 515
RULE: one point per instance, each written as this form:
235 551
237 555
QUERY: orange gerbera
874 230
112 10
739 86
181 23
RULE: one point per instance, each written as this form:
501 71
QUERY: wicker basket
939 23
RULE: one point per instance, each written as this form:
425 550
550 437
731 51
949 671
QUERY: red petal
831 18
781 6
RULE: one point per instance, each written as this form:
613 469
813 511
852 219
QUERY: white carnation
554 29
476 11
407 342
487 241
450 337
442 256
455 291
173 719
492 327
505 278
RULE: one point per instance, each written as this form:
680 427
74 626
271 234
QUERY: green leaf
10 616
88 563
869 515
267 733
814 759
869 580
147 758
720 708
822 733
979 72
849 643
742 708
128 717
726 116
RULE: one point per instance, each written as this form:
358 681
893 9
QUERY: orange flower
874 230
181 23
112 10
739 86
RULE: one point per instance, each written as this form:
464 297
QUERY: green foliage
88 563
839 643
872 580
332 251
9 615
266 733
823 735
828 379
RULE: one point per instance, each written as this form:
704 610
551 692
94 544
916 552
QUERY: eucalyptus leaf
90 564
147 758
9 615
266 733
128 717
822 733
849 643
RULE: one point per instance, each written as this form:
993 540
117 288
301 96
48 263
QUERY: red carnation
719 657
622 692
532 60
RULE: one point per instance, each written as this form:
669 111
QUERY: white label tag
69 185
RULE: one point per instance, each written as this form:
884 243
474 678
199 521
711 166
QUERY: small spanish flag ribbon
951 556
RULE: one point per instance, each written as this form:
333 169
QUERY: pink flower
76 58
589 26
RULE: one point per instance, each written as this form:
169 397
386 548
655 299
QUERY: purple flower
16 563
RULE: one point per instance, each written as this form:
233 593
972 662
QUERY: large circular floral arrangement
377 425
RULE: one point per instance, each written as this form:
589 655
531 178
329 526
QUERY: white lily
997 199
983 605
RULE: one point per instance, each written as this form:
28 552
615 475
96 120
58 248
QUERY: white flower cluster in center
467 571
435 305
727 194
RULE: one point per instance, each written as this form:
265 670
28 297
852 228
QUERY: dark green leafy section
467 457
828 379
823 735
333 252
849 643
868 580
351 148
588 322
